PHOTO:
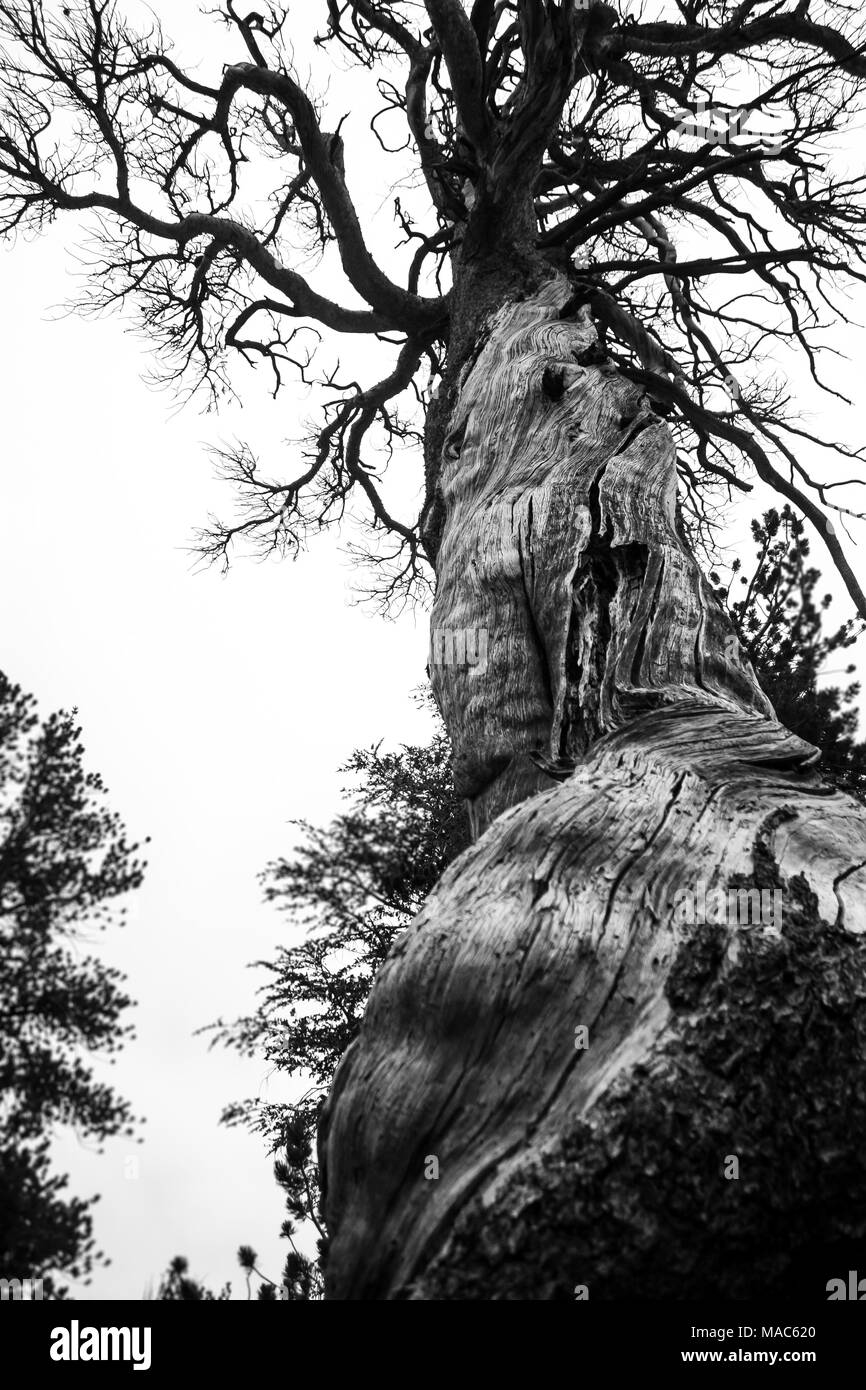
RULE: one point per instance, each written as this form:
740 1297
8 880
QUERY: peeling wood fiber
616 751
560 541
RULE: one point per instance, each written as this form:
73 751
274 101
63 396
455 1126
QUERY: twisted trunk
562 1081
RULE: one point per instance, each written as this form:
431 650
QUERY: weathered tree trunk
556 1069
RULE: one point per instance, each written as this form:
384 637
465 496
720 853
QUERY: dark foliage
176 1286
779 621
64 859
301 1280
351 888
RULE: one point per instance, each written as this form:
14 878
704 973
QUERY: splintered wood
616 752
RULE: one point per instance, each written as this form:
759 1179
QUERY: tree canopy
64 860
705 231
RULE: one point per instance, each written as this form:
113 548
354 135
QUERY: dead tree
581 1068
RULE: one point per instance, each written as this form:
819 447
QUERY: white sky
216 709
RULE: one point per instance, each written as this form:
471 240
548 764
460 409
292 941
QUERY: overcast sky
216 708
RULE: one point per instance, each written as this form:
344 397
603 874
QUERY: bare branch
459 44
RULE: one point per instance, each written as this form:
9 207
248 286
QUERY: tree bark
561 1082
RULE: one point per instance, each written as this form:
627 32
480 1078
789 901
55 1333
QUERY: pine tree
64 860
779 620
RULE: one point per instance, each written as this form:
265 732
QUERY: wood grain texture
616 752
560 540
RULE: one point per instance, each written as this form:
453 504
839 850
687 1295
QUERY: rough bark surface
615 751
561 543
